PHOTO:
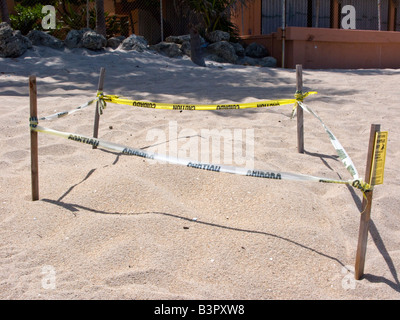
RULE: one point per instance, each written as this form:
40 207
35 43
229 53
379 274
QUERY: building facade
315 33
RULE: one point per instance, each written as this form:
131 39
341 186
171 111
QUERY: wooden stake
300 121
34 139
366 210
96 112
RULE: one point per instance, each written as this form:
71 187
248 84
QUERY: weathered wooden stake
34 139
96 112
300 117
366 209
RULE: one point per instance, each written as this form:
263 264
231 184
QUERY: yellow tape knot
363 186
299 96
102 103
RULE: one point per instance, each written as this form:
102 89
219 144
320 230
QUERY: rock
74 38
171 50
185 48
238 48
85 38
215 58
12 43
224 50
178 39
217 36
248 61
256 50
5 31
268 62
93 41
114 42
40 38
260 62
134 42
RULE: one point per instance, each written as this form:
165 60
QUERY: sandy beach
111 226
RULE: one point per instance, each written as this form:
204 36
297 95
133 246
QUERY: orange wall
319 48
333 48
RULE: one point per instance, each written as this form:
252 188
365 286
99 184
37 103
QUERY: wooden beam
34 139
391 16
96 112
335 14
366 209
300 117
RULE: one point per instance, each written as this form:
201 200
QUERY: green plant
27 18
215 14
74 17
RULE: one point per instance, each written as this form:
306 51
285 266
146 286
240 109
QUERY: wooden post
366 209
335 14
96 112
391 16
300 121
34 139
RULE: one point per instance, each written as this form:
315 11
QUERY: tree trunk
100 19
4 11
196 54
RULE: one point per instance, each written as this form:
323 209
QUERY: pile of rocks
216 45
12 43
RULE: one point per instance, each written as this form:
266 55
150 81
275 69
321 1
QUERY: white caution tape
66 113
266 174
348 163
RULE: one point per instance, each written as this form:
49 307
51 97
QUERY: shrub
27 18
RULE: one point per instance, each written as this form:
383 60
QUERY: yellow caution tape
204 107
101 99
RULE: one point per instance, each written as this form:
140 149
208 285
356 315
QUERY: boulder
93 41
268 62
259 62
224 50
74 38
114 42
185 48
169 49
178 39
248 61
238 48
134 42
12 43
40 38
85 38
214 57
217 36
5 31
256 50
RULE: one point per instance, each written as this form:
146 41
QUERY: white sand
117 227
